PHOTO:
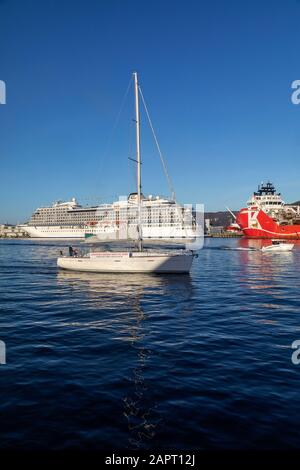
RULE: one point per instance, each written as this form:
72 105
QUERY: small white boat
140 261
278 245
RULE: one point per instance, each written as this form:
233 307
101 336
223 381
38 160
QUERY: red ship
267 216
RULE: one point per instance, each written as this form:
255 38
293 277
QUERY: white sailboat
132 261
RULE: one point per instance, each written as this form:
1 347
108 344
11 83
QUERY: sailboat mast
138 154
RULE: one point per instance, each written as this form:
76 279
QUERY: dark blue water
99 361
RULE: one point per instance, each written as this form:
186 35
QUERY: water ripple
144 361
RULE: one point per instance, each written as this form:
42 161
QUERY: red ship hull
255 223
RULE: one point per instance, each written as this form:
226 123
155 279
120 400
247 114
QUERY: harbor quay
12 231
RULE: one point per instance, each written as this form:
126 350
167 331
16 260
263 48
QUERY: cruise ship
161 219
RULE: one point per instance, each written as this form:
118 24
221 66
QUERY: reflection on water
260 270
263 282
268 275
103 287
111 282
142 422
107 289
128 290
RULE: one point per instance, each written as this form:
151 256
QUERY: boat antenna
138 158
169 180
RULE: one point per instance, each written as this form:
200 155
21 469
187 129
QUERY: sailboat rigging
151 261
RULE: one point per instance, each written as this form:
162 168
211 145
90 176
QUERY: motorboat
278 245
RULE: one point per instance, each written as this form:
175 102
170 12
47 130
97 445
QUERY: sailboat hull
129 263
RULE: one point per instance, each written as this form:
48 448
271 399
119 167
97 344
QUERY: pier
224 235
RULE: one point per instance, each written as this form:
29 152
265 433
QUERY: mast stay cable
169 180
109 140
117 118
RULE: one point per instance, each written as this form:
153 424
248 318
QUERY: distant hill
220 218
297 203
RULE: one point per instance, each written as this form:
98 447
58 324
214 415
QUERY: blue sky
216 76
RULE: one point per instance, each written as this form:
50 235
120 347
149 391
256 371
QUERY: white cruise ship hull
168 234
125 262
53 232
